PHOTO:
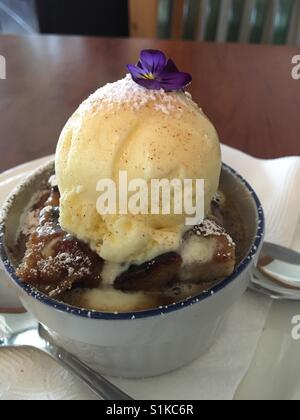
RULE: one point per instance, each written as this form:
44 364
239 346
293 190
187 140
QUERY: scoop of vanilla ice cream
151 135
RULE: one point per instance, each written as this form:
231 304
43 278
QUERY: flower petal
138 75
154 61
153 71
171 67
174 81
136 72
148 83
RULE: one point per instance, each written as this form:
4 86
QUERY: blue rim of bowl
63 307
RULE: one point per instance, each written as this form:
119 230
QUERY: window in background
18 17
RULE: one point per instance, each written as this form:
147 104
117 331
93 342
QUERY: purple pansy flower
155 72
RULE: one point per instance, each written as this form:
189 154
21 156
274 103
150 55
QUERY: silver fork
24 331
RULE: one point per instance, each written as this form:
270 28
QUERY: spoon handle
281 253
97 383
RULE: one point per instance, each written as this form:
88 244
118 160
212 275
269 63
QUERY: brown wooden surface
246 90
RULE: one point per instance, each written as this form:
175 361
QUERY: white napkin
216 375
277 183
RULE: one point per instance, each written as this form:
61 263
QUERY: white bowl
139 344
9 300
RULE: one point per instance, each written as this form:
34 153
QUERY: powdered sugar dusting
127 92
210 228
30 223
29 218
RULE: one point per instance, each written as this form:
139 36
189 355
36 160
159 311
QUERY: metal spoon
281 253
24 331
275 286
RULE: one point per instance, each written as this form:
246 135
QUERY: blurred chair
255 21
18 17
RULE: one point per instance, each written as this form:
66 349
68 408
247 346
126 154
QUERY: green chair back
253 21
